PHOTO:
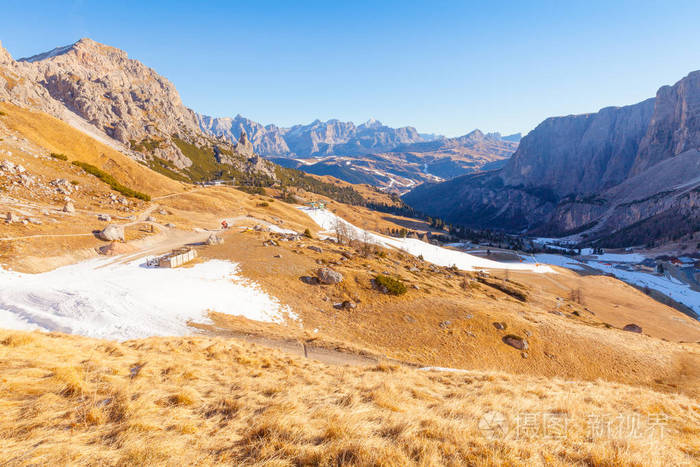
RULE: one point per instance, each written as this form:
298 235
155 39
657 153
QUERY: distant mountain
267 140
623 175
400 157
317 138
408 165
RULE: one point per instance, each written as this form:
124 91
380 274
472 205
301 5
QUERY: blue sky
444 67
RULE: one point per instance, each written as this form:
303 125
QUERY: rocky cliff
581 174
124 98
675 126
101 91
580 153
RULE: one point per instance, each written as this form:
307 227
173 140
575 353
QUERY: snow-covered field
98 298
431 253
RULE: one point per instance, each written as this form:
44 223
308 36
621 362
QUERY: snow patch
667 285
431 253
100 299
557 260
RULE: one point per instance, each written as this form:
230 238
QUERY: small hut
177 257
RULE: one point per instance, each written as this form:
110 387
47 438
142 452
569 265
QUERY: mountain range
621 176
122 102
332 137
394 159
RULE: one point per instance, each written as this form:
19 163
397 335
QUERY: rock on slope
563 177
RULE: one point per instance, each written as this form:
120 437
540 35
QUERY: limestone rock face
121 96
675 126
580 153
5 56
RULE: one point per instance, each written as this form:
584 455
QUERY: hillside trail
308 349
141 217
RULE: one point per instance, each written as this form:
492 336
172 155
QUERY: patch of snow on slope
128 301
669 286
620 257
431 253
557 260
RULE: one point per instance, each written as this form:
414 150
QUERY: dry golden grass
204 401
443 324
57 136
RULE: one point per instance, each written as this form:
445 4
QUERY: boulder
345 305
214 240
633 328
69 207
11 217
104 217
329 276
515 341
112 233
315 248
500 326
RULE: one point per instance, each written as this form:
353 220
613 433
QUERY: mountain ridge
563 176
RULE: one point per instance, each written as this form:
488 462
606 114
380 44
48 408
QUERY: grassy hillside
59 137
207 401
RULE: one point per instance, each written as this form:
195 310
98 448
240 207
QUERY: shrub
252 190
111 181
74 182
307 233
391 285
264 204
2 114
60 157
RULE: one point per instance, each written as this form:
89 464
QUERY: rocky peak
5 56
372 123
127 100
244 146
